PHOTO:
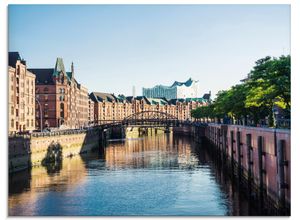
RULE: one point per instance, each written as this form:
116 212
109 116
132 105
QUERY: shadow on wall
92 141
53 158
19 153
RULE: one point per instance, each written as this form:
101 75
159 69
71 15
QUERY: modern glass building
177 90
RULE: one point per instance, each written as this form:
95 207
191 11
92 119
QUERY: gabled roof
101 96
194 100
143 98
155 101
46 75
13 57
59 66
129 98
43 76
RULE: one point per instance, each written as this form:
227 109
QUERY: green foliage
268 84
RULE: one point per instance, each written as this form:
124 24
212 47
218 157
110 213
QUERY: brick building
64 102
21 95
108 107
91 115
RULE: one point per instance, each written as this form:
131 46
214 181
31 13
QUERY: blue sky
116 47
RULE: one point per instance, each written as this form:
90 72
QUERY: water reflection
154 175
27 187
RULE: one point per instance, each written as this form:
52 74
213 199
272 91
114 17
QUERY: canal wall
40 148
260 158
183 130
34 150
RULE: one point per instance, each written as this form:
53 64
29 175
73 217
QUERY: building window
31 122
27 123
17 112
12 123
46 97
46 90
61 98
12 110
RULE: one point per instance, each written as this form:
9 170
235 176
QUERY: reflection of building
155 151
63 100
112 107
21 95
178 90
27 185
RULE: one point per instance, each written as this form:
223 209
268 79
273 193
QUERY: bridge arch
151 118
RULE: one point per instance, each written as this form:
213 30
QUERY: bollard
281 179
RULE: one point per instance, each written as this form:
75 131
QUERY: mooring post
281 179
260 164
238 145
218 138
249 159
224 141
231 146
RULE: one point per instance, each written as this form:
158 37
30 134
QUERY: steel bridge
145 119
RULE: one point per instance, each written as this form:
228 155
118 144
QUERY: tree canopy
268 85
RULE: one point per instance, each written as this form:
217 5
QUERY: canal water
151 175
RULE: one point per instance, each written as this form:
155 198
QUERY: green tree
269 85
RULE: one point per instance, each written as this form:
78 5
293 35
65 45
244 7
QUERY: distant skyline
116 47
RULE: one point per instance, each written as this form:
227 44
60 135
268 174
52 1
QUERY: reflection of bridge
146 119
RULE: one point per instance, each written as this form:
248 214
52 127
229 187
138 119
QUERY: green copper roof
69 75
59 66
